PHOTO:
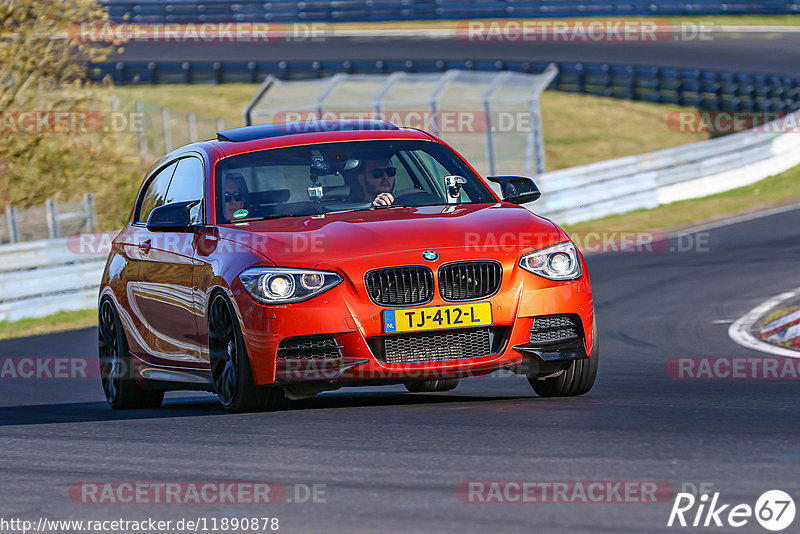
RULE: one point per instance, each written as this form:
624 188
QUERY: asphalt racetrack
752 52
388 461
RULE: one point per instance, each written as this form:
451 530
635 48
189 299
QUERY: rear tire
575 380
430 386
120 386
230 366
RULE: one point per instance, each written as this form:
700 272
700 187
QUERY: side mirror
517 189
172 217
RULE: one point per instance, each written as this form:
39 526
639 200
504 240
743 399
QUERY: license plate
437 317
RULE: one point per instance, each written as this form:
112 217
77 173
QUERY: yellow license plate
437 317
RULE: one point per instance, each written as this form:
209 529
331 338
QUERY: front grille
469 280
398 286
550 329
438 346
309 348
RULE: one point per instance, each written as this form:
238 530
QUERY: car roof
280 129
278 135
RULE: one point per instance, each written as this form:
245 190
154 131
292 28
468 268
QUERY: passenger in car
235 196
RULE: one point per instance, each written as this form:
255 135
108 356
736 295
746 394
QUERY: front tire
430 386
575 380
120 386
230 366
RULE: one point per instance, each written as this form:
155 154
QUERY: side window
187 184
155 193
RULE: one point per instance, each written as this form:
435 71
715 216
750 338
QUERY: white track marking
740 330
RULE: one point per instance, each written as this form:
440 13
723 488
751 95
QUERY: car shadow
82 412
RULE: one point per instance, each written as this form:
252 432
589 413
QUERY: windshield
335 177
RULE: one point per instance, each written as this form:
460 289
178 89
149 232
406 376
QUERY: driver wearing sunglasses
235 194
376 177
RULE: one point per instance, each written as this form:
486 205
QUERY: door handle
145 245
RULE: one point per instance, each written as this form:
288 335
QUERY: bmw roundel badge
430 255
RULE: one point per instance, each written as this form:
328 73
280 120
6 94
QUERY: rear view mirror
517 189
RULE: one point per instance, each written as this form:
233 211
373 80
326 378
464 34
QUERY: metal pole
220 124
192 127
390 81
13 229
535 139
495 85
165 127
91 215
142 137
444 81
247 112
52 224
326 92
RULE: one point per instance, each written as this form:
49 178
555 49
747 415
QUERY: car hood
487 230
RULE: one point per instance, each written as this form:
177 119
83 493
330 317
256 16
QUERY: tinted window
186 185
155 193
335 177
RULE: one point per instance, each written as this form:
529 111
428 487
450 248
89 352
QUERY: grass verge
57 322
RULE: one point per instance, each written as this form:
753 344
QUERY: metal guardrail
52 222
704 89
648 180
40 278
380 10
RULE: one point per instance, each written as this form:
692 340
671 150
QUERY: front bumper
347 313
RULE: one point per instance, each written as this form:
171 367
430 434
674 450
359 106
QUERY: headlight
278 285
557 262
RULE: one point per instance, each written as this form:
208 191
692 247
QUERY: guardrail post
13 229
217 66
165 127
91 215
119 73
631 82
52 224
657 83
142 137
192 120
186 67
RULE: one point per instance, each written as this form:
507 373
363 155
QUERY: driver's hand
384 199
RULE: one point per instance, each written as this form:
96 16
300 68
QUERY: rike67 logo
774 510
